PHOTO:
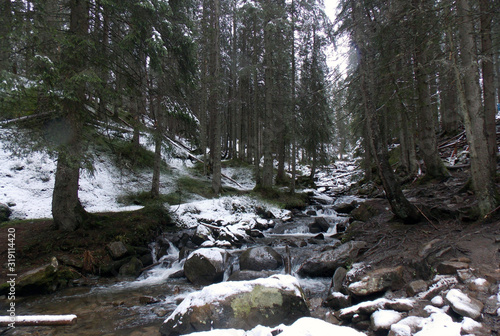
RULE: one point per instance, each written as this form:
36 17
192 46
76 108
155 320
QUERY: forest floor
449 233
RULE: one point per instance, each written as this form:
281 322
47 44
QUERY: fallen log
38 320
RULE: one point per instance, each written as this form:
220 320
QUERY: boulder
451 267
336 301
378 281
202 234
325 264
338 279
238 305
345 207
406 327
5 212
464 305
131 269
320 224
206 266
416 287
260 258
383 319
117 250
42 280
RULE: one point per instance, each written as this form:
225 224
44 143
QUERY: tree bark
400 206
474 117
67 211
488 71
426 125
215 120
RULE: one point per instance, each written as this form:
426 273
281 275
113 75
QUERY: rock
437 301
464 305
345 207
338 279
159 311
146 299
383 319
242 275
469 326
368 307
491 305
311 213
205 266
202 234
450 267
406 327
42 280
400 305
437 287
479 285
363 212
5 212
399 330
263 213
131 268
416 287
378 280
320 224
238 305
260 258
146 259
117 250
337 301
325 264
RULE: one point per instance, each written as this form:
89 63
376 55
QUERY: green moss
260 296
282 199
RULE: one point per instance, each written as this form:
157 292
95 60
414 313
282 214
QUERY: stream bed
107 306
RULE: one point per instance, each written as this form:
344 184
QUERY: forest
249 80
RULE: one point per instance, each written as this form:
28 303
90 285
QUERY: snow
227 210
439 324
306 326
383 319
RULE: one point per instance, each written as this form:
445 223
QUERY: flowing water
126 307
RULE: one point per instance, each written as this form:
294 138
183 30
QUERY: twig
426 218
491 212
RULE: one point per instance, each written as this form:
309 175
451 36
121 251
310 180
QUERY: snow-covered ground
27 182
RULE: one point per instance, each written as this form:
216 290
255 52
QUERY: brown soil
36 242
447 233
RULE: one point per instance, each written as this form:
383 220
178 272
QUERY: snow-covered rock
206 266
378 280
305 326
239 305
463 304
383 319
438 323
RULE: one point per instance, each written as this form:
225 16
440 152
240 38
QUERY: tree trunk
66 208
293 156
474 118
215 120
426 125
488 71
400 206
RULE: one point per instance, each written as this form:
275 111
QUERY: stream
139 307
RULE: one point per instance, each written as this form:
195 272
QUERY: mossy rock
44 279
